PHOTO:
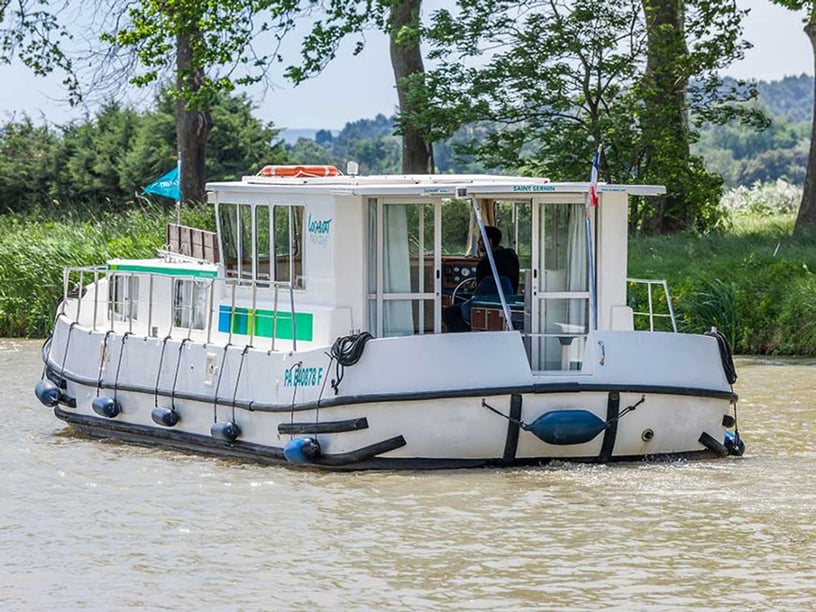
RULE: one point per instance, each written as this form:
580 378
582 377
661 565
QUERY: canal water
99 525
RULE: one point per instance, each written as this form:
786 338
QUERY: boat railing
650 312
125 300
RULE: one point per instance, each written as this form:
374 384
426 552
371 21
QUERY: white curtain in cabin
577 278
398 317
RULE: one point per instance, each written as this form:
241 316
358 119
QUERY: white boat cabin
299 262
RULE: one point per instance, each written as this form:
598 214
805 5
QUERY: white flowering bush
762 199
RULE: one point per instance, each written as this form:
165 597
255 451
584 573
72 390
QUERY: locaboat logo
319 230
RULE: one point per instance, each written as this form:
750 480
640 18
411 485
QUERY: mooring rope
727 359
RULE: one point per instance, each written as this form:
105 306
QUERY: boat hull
500 415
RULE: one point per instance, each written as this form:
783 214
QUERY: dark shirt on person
507 264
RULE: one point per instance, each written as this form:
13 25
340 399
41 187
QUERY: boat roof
450 185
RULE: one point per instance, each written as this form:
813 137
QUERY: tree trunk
806 219
406 60
665 123
193 124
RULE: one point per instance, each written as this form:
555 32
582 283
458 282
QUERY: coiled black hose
346 351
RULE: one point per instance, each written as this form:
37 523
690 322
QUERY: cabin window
245 244
190 303
288 236
228 229
402 290
124 297
264 244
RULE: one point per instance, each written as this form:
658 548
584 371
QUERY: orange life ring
299 171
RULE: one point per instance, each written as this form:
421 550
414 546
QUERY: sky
360 87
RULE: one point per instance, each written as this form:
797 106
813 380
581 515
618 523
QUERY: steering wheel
467 281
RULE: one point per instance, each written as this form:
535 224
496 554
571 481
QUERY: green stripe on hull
260 323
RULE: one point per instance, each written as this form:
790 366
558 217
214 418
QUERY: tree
806 217
401 20
406 60
555 83
26 165
553 78
208 46
33 34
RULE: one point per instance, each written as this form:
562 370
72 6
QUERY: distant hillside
291 135
791 97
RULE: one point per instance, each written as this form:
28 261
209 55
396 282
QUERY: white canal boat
309 331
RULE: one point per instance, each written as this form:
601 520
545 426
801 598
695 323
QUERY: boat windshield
423 257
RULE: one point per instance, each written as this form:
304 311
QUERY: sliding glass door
560 304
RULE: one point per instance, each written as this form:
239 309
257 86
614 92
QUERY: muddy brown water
99 525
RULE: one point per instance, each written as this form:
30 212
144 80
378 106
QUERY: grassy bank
753 282
34 250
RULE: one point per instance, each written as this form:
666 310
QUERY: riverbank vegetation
36 246
749 278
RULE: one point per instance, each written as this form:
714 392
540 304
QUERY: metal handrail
651 313
230 285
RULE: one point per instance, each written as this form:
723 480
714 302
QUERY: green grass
754 282
34 250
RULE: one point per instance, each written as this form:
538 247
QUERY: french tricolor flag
593 179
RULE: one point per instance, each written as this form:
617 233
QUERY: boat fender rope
102 361
346 351
295 366
119 365
627 410
159 371
726 356
46 350
218 382
67 344
238 378
518 422
175 377
526 426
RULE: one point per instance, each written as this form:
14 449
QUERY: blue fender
47 392
565 427
302 450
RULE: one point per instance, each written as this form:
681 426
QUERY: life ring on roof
299 171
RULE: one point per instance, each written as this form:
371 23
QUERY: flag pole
592 203
178 201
